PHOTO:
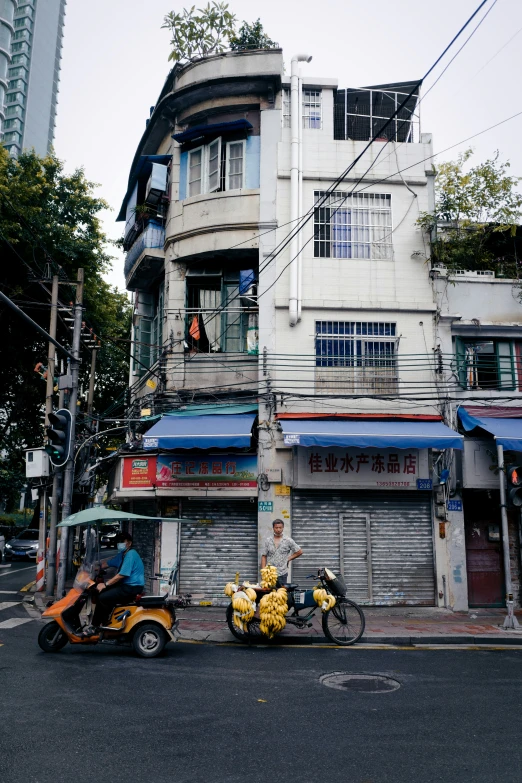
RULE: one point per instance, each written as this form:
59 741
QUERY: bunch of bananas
268 577
324 599
272 609
244 608
230 589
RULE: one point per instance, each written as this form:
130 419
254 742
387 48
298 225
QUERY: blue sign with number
266 505
424 484
454 505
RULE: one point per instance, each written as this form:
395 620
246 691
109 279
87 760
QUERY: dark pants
111 597
282 579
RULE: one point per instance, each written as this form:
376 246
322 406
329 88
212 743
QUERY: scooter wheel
149 640
52 638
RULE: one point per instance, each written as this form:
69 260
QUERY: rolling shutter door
386 539
222 541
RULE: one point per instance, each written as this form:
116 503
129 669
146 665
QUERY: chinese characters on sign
384 468
208 470
138 472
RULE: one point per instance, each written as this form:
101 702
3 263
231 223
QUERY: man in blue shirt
124 586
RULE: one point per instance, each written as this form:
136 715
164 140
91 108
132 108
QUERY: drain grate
360 683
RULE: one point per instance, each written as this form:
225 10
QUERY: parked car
25 544
2 547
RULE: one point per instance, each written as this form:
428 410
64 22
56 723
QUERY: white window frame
286 110
306 104
202 177
228 173
209 189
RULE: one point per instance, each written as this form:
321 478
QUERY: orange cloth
194 328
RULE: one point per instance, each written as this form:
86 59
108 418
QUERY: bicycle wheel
344 624
253 632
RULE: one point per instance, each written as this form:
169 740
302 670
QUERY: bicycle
343 624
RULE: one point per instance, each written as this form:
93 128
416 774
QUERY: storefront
212 485
362 504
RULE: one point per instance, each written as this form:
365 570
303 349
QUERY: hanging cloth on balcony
210 302
194 328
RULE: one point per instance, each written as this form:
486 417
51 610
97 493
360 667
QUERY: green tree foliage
49 224
198 33
477 210
251 36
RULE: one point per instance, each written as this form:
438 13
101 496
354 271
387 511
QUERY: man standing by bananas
279 550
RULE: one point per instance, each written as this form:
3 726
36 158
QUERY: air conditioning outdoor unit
157 184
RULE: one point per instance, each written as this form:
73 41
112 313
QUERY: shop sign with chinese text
355 468
138 472
207 471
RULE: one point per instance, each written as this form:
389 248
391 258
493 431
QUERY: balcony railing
153 236
357 380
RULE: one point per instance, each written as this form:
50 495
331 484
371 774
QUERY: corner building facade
283 373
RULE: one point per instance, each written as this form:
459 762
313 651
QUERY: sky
115 61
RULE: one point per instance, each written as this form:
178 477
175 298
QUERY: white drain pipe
295 128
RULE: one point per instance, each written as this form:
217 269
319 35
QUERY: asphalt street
242 715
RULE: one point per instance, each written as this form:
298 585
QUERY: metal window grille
312 116
353 226
356 357
286 108
360 114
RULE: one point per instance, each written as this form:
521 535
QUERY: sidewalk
405 626
402 625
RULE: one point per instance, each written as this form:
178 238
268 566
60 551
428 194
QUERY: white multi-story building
297 373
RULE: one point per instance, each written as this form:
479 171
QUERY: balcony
145 257
380 380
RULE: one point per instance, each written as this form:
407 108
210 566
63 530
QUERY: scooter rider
124 586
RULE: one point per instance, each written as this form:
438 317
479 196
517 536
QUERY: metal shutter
221 542
386 538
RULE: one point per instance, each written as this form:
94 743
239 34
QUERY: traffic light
514 477
59 434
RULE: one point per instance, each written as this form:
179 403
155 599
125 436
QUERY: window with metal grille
355 225
312 117
356 357
360 114
488 364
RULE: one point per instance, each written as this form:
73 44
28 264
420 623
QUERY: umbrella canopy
91 516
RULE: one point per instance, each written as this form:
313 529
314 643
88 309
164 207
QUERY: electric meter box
36 463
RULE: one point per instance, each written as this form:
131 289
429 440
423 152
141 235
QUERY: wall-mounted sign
454 505
138 472
266 505
292 440
361 468
209 471
282 489
424 484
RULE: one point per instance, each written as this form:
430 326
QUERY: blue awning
375 433
215 129
507 432
201 432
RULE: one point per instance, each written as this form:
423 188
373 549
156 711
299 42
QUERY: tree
49 224
251 36
199 34
477 211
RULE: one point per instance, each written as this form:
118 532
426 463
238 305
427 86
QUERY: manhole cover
361 683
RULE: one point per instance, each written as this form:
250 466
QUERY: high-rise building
7 12
33 73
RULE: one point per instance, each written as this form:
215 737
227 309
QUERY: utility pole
55 515
90 398
51 356
68 482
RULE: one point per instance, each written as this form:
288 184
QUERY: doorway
484 558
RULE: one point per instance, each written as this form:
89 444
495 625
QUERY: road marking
8 604
14 621
7 565
8 592
27 587
26 568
